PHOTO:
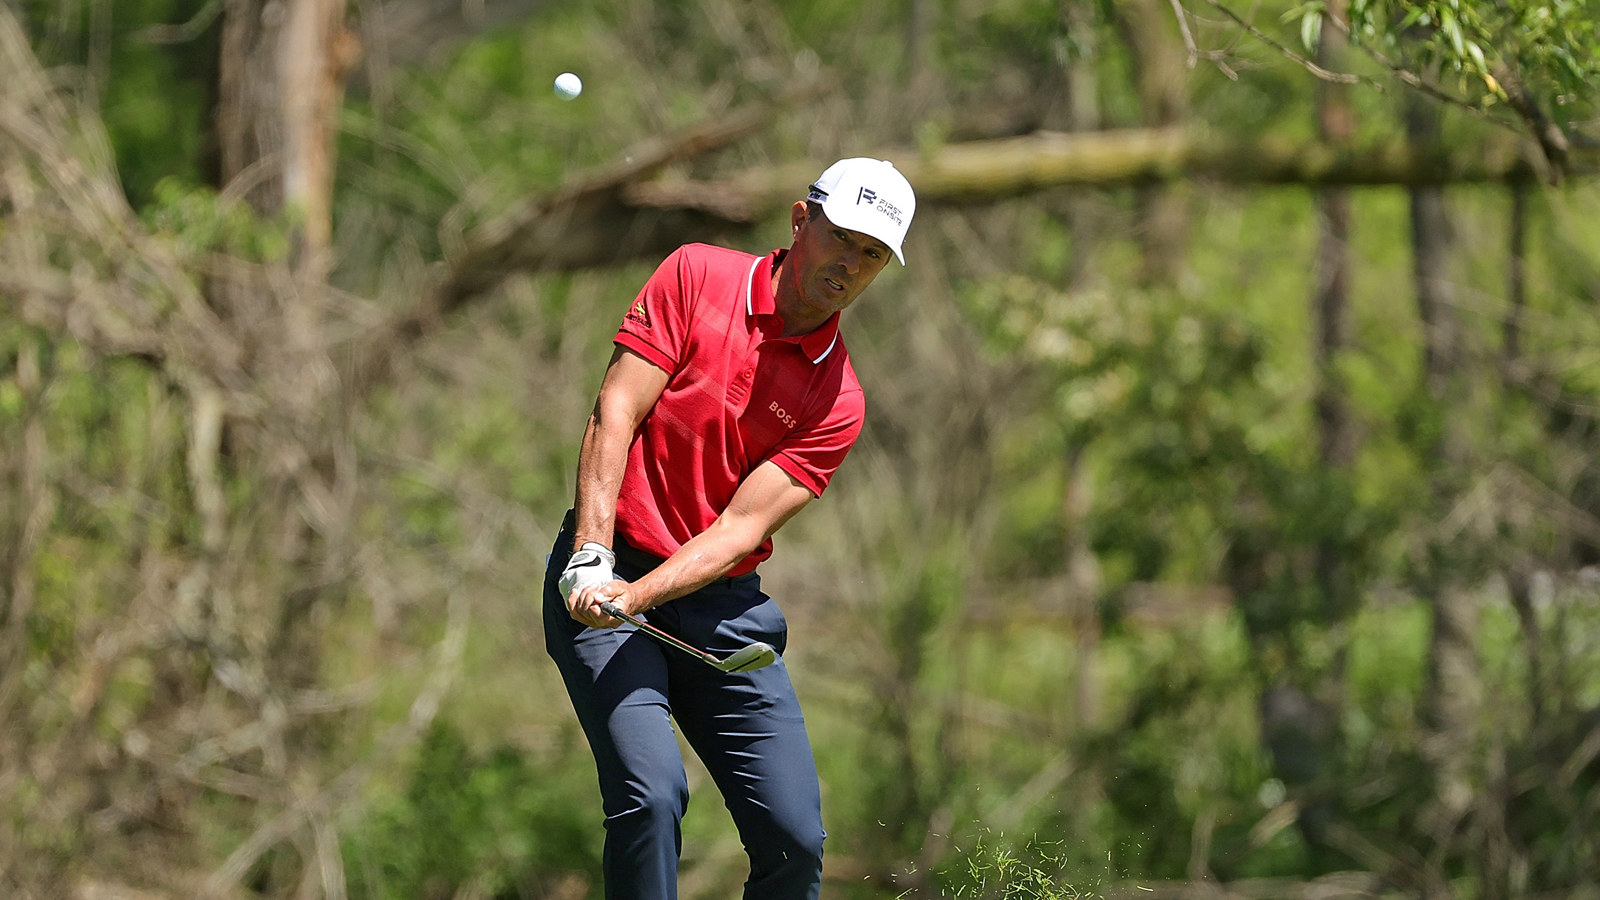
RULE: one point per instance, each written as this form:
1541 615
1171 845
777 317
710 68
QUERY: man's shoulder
715 260
714 275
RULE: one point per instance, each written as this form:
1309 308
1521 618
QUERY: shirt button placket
739 391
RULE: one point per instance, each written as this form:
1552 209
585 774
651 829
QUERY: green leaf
1311 30
1476 53
1452 30
1301 10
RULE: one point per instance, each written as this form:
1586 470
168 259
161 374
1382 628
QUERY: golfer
727 406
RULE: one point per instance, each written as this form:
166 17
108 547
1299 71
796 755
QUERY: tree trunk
1335 441
921 75
1084 582
1336 126
281 83
1164 102
1451 703
1082 114
1330 307
1301 729
1430 242
1083 83
1451 697
919 40
1520 587
1080 89
1511 350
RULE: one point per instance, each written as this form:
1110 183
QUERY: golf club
746 659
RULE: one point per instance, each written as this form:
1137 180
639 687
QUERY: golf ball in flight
568 85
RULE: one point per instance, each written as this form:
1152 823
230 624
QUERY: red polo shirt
739 395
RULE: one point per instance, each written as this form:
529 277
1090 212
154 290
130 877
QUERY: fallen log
624 213
984 171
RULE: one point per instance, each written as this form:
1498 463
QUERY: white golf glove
590 565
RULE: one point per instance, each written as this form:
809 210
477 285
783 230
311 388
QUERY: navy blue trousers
746 728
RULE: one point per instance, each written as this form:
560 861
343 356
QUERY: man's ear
798 215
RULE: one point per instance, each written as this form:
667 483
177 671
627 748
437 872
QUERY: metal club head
749 658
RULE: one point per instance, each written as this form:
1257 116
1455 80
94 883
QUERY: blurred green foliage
1553 47
508 822
155 98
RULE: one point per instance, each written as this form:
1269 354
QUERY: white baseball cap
869 196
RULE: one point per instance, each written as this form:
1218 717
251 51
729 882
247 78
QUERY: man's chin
820 304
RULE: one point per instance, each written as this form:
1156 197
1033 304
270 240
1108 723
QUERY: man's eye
840 235
873 253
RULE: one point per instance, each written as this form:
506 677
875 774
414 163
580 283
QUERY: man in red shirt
727 406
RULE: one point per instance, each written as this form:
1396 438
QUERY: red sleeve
813 452
657 324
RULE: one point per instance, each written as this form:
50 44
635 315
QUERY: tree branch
1396 69
1412 79
1183 29
1313 68
583 225
179 34
1552 140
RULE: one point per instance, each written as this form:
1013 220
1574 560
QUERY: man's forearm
630 389
705 558
765 500
601 463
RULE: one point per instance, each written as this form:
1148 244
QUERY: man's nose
851 260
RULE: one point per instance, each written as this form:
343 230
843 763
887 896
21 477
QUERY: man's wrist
581 538
644 593
606 553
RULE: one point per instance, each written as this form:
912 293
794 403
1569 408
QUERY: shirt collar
818 344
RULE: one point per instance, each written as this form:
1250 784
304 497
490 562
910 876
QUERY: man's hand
589 566
585 603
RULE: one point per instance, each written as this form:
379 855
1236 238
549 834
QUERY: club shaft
615 611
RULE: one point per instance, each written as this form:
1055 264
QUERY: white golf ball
568 85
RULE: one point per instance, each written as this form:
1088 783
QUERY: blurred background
1226 523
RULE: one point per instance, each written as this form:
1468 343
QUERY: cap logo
865 194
